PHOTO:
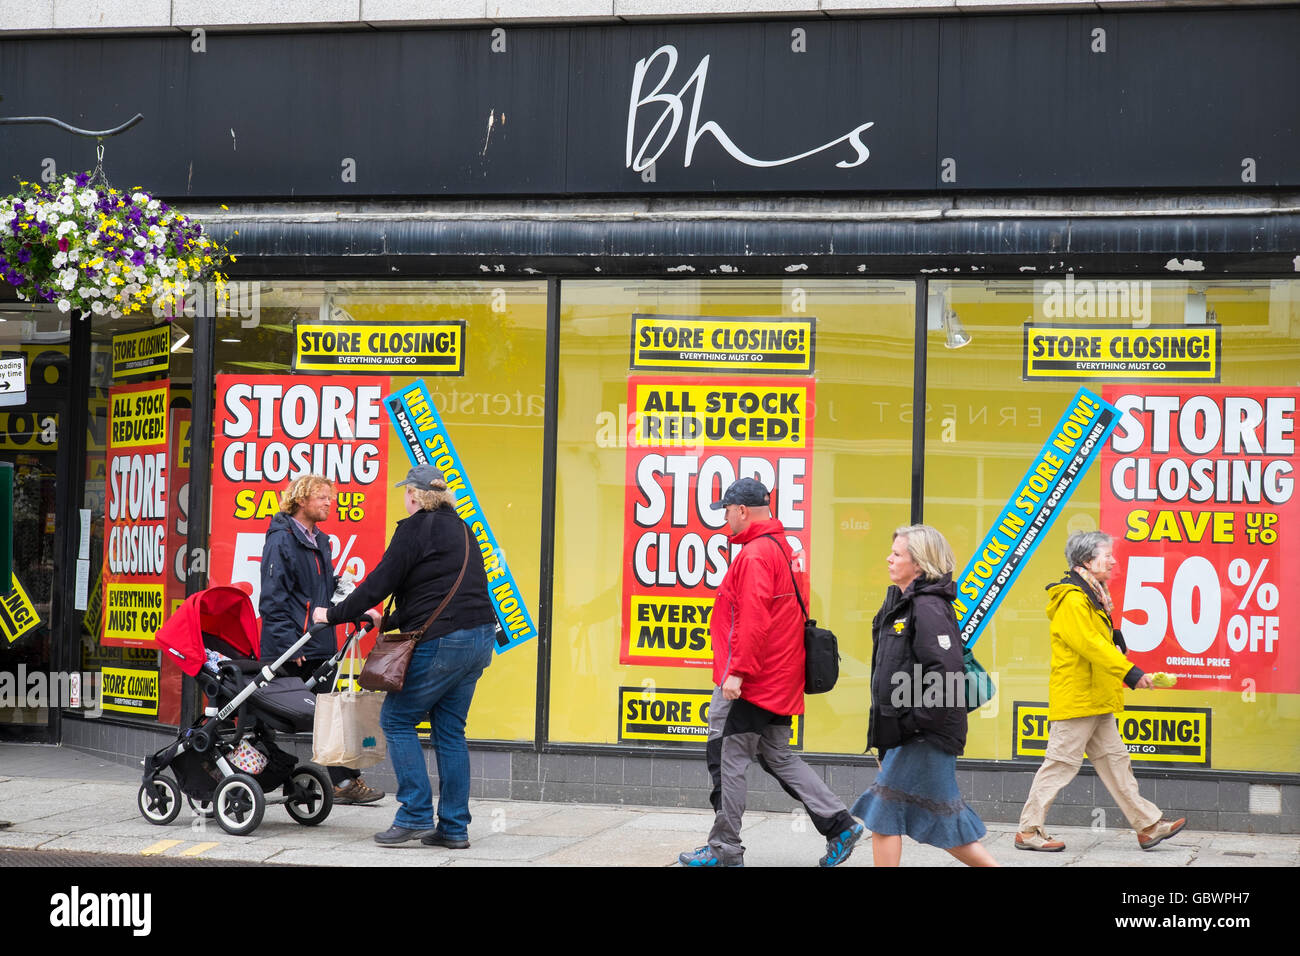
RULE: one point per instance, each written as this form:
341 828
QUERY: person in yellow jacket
1085 691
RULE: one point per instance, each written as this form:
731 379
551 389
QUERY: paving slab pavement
63 800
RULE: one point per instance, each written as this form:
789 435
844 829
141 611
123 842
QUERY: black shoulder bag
821 649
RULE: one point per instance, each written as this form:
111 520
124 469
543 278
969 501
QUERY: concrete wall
48 16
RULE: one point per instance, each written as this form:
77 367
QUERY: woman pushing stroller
431 550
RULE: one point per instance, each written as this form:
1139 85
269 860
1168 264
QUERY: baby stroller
227 763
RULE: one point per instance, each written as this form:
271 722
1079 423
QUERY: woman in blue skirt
918 713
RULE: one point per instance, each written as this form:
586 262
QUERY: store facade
604 270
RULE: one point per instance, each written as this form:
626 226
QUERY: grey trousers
739 734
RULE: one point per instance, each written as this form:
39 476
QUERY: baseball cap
422 477
746 491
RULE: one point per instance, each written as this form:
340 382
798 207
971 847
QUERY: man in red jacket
758 672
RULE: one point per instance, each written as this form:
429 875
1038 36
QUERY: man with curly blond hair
297 577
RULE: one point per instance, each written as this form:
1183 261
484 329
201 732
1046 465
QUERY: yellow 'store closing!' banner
130 691
1119 353
17 613
1168 735
390 348
675 343
135 513
141 353
679 716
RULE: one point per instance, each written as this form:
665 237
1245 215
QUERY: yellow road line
159 848
198 848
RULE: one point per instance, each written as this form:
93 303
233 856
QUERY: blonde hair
300 489
432 500
929 550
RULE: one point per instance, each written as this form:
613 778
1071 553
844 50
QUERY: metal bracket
97 133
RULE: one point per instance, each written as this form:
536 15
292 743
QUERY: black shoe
438 838
395 835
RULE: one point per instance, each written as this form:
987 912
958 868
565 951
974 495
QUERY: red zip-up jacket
756 626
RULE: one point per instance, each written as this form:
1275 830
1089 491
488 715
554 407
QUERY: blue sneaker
702 856
841 848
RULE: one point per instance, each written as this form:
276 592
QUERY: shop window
670 389
131 553
303 373
1195 484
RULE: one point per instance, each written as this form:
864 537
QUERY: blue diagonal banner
426 441
1024 520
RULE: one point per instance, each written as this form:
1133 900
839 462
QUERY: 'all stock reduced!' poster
1198 486
688 440
135 504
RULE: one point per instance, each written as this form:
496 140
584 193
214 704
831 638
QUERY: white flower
86 292
97 307
68 279
152 205
40 214
60 259
74 255
66 227
64 305
141 241
138 197
88 198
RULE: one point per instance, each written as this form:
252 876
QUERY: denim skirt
916 794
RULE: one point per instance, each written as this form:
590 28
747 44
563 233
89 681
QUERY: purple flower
44 227
137 257
24 255
82 179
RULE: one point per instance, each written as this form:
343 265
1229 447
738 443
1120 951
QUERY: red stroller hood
225 613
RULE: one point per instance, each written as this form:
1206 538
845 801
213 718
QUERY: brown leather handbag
385 667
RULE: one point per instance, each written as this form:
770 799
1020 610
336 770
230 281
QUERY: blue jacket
296 577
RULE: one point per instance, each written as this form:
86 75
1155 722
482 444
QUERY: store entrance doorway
29 692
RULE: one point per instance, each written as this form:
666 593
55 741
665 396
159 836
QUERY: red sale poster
271 429
688 439
1198 489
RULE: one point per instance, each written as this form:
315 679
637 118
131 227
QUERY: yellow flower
234 259
225 207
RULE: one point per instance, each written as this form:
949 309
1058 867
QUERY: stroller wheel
311 795
159 800
202 808
238 804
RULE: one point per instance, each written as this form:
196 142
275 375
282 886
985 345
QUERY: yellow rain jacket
1089 670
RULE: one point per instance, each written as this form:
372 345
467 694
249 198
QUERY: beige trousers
1067 742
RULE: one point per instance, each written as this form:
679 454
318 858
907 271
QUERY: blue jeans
439 685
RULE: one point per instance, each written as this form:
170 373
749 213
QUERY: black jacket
418 569
916 665
296 577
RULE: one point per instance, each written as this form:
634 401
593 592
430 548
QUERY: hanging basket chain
97 177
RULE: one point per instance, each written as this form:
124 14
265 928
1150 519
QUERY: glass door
29 441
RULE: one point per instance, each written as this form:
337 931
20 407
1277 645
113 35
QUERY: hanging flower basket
96 249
